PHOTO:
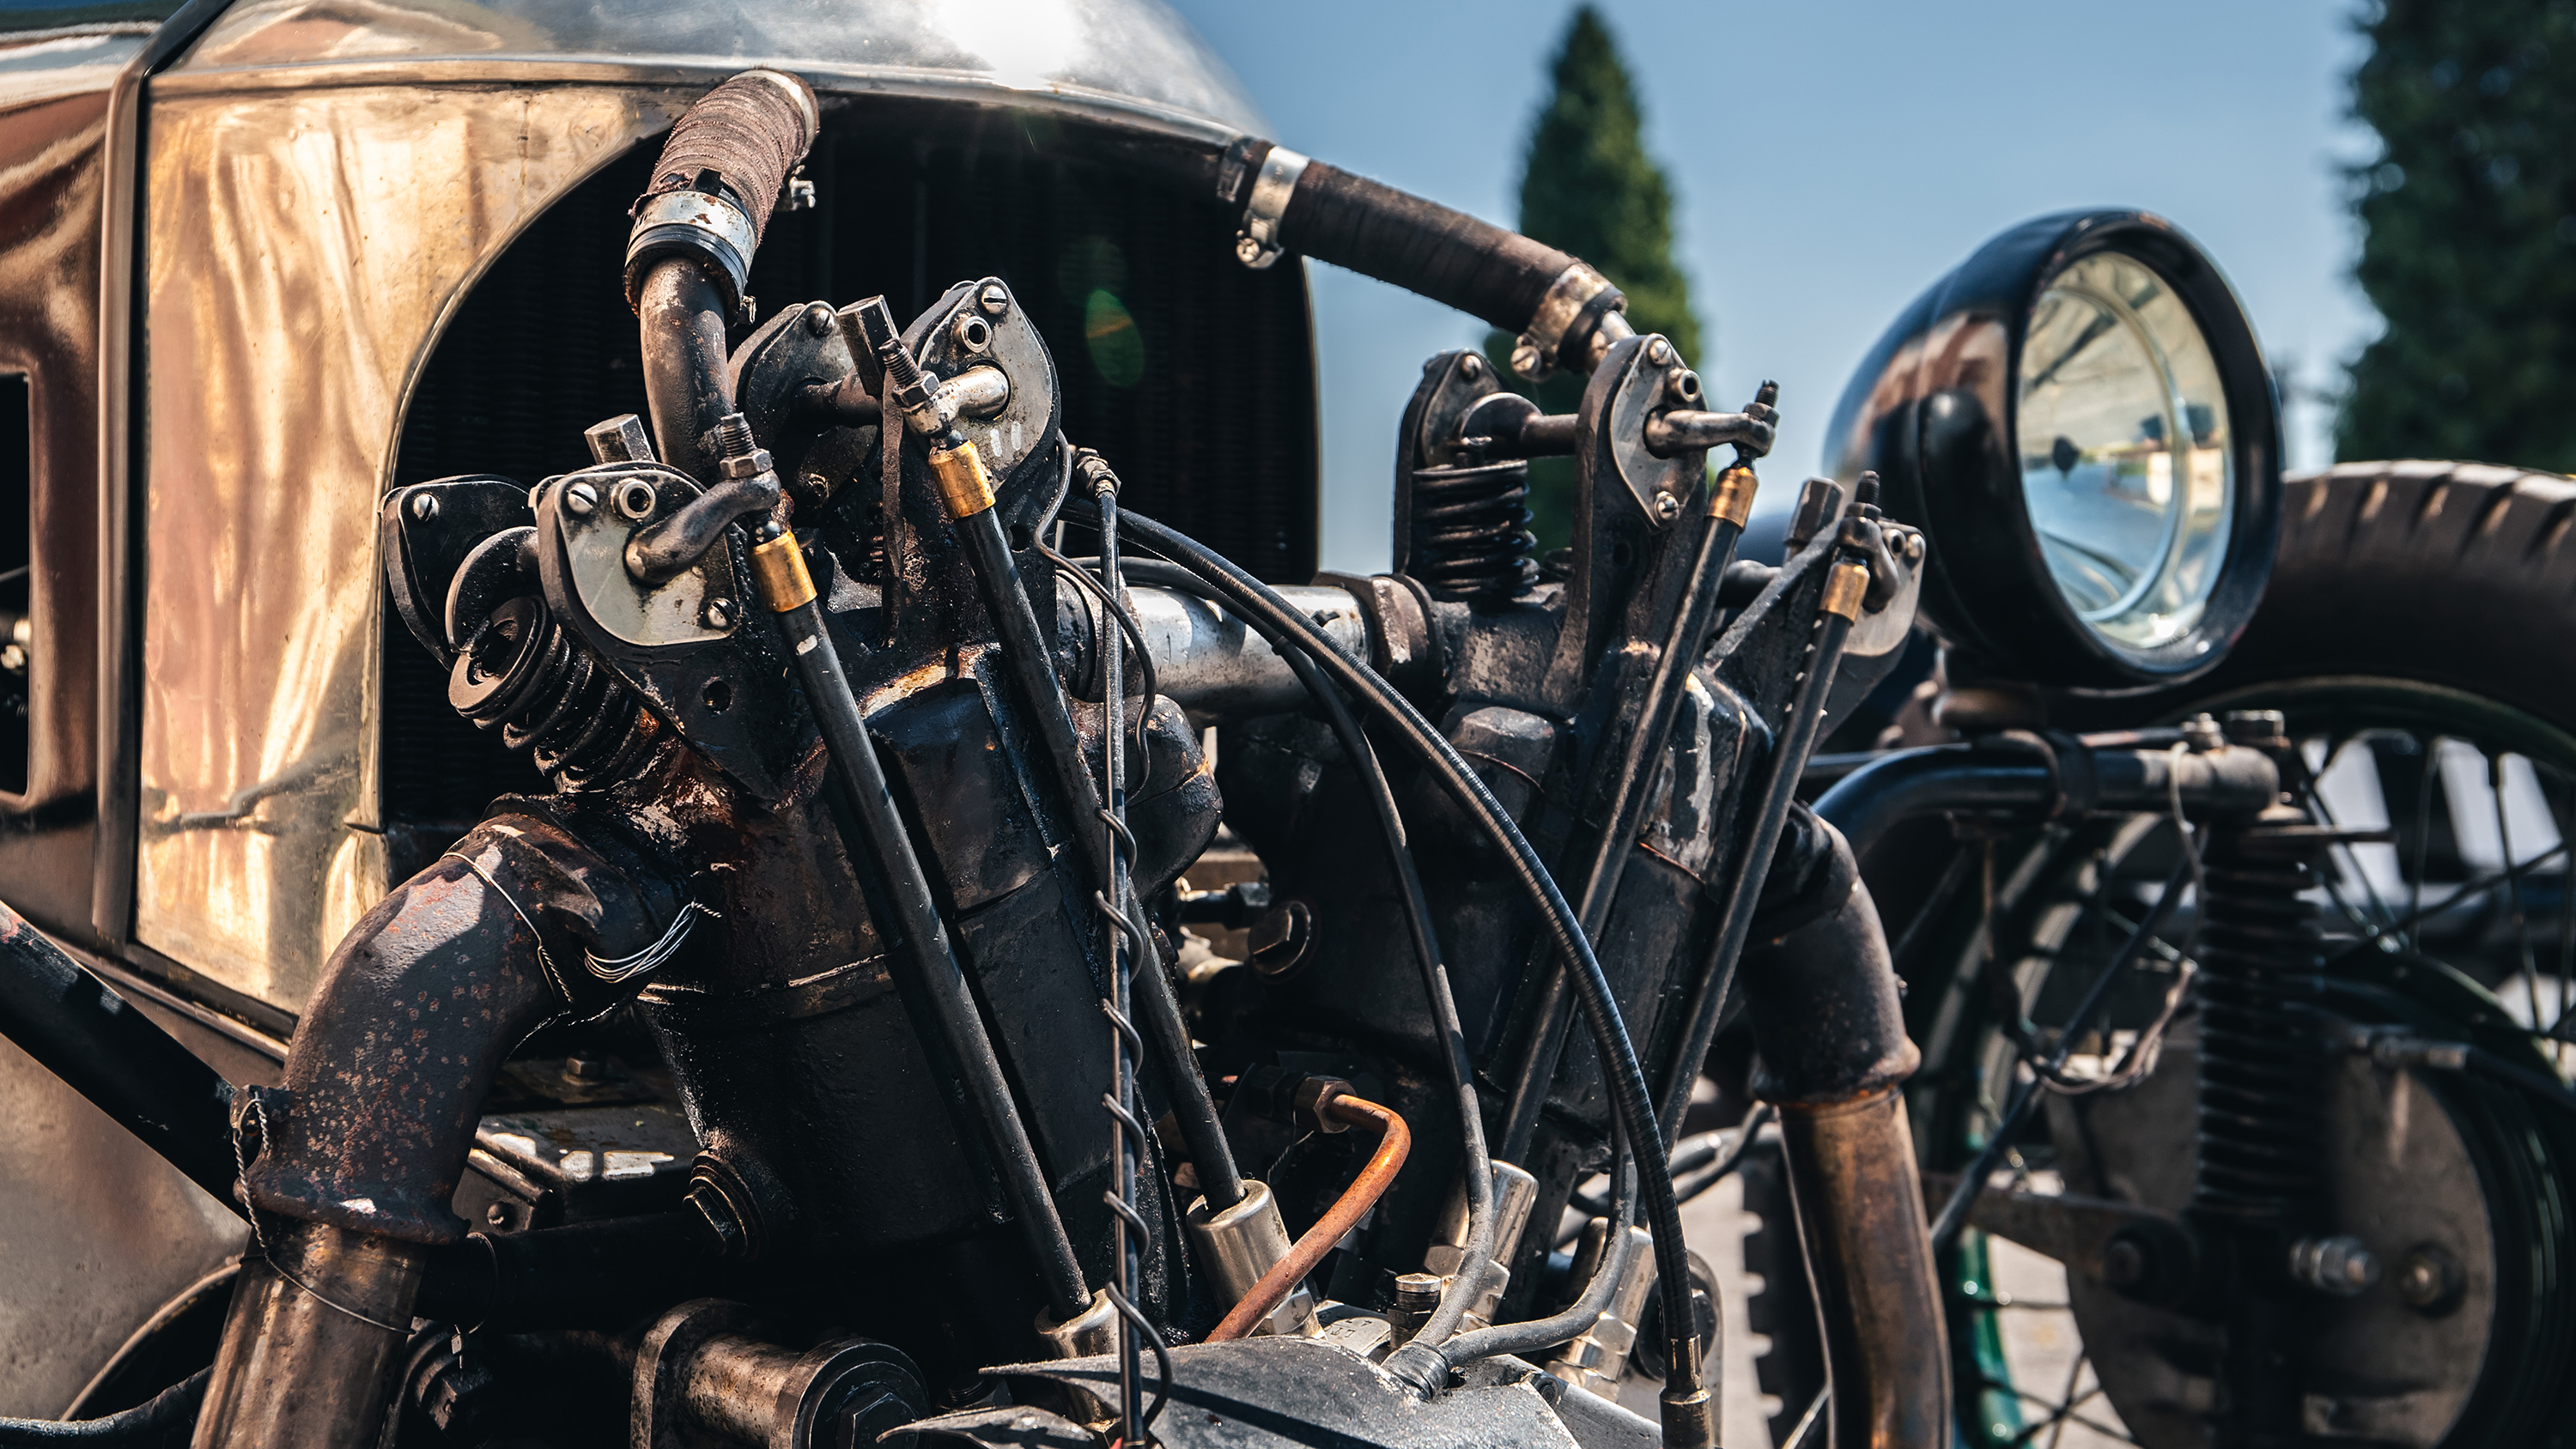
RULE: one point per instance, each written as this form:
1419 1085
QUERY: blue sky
1831 158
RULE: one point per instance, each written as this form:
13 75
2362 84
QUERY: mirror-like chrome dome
1131 59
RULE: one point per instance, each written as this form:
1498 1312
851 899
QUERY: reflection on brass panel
301 250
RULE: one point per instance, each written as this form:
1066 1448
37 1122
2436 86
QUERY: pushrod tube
1032 668
1478 1178
1689 1407
1627 795
1779 791
788 590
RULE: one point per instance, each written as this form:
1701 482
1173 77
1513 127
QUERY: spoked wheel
2439 1306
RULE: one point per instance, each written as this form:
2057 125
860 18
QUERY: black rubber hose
167 1420
1688 1404
103 1048
1479 1174
1628 792
925 946
1377 231
1026 653
1874 799
738 141
1469 1280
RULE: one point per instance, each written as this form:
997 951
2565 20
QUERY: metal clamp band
699 223
1257 245
1568 298
965 489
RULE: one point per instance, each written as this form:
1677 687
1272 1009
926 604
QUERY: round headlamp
2080 420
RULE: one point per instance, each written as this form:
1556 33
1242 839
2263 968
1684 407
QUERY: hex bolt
818 320
1278 940
635 498
424 507
581 498
719 613
995 299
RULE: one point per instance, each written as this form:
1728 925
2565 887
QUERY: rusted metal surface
385 1082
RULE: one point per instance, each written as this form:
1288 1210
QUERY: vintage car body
233 249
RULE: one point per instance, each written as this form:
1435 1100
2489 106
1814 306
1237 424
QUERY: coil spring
524 674
1471 537
2259 961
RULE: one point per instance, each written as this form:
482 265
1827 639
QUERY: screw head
818 320
1658 351
1667 507
635 498
498 1215
995 299
424 507
1526 359
581 498
719 613
1471 367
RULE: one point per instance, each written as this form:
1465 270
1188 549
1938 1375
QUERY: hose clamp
699 224
1257 245
1578 293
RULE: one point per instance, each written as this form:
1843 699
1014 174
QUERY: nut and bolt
1417 1297
995 299
424 507
635 498
582 499
2428 1279
719 613
818 320
1278 941
2341 1265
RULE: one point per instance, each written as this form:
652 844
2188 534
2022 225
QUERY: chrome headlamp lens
2080 419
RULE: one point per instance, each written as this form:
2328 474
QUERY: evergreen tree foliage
1589 188
2469 248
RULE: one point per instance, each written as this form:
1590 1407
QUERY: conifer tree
1589 188
2469 248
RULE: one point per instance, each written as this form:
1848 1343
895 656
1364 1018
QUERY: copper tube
1394 1141
1860 1212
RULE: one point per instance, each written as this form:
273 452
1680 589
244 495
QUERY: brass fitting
1844 588
1731 499
965 489
778 565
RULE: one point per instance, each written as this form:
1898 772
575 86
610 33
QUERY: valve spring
2259 964
1471 537
524 674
